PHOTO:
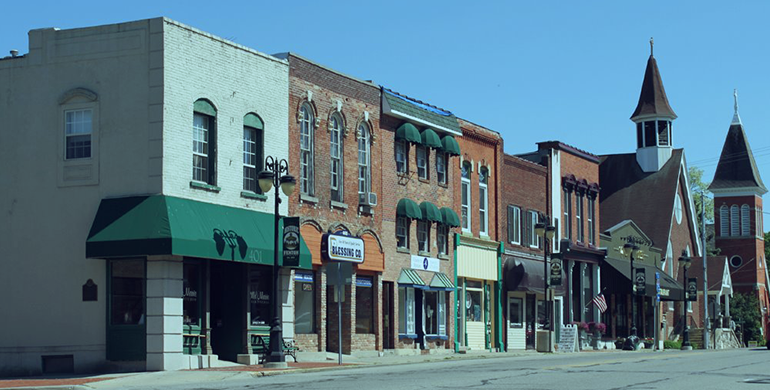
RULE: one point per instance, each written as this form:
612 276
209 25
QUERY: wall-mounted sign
303 277
692 289
343 248
290 241
363 281
556 267
425 263
640 281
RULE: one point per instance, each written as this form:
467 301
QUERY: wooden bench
260 345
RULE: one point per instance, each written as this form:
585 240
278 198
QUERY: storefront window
473 309
259 296
191 294
304 303
127 292
406 310
431 312
364 305
541 318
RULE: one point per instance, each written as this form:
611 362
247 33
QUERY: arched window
204 142
306 130
253 151
466 196
678 208
336 173
483 199
724 221
364 158
745 220
734 221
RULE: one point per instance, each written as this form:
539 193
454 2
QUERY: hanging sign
657 286
692 289
640 281
343 248
556 267
290 241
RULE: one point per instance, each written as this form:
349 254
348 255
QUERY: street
702 370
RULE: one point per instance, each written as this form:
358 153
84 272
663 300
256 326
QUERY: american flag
600 302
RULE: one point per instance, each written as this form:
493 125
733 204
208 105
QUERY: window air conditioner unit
367 199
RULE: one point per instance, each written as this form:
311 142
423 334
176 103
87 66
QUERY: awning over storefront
441 282
430 212
408 208
526 275
671 290
164 225
408 132
449 217
431 139
450 145
410 278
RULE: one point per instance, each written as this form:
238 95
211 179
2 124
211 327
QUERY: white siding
476 263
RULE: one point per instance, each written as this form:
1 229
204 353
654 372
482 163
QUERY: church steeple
653 117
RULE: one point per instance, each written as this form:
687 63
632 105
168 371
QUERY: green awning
408 208
449 217
410 277
450 145
441 282
430 139
165 225
408 132
430 212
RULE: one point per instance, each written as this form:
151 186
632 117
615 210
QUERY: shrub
669 344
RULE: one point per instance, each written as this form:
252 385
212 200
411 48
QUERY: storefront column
570 301
164 313
596 289
582 292
206 347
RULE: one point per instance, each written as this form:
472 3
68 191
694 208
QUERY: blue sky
533 71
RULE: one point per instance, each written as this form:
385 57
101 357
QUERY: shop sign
344 248
640 281
555 270
425 263
303 277
362 281
692 289
291 241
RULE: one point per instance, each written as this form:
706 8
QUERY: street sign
339 273
290 241
640 281
657 286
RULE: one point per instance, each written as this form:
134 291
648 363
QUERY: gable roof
737 168
718 273
652 99
647 198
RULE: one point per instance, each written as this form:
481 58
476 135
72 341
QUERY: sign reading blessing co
344 248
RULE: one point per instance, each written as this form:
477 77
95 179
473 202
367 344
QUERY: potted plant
597 329
582 328
648 342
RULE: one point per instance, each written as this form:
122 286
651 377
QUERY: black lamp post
630 249
546 230
271 177
686 261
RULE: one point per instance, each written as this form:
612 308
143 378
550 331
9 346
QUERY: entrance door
387 315
228 293
516 333
474 316
557 313
531 320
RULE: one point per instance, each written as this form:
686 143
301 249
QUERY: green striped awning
450 145
430 212
408 208
408 132
140 226
431 139
449 217
441 282
410 277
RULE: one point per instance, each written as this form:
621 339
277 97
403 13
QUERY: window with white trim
724 221
735 224
441 167
579 216
678 208
434 313
483 201
466 196
422 162
534 239
402 232
252 158
335 151
402 153
406 319
591 202
204 142
364 158
567 207
423 236
745 221
442 234
514 225
78 128
306 135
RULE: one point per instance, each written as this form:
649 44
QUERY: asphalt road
701 370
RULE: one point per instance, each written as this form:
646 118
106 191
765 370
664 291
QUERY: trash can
541 340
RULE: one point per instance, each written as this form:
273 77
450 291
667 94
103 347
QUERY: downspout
457 298
500 250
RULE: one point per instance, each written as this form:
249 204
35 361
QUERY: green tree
767 248
697 188
744 308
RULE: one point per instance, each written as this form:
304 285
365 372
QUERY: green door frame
125 342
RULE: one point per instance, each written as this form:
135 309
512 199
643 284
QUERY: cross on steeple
651 44
736 117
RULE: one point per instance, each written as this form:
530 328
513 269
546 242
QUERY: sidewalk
192 377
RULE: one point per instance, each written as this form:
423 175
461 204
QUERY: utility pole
705 273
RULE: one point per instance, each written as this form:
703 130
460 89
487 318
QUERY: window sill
443 256
338 205
445 185
308 199
435 337
407 336
423 180
403 250
423 253
253 195
203 186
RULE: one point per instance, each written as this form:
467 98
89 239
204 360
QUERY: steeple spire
736 117
652 100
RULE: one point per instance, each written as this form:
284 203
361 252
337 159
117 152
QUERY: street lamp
686 261
271 177
630 249
546 230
